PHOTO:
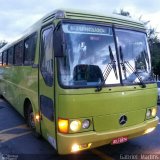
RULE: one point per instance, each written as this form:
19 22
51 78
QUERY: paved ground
18 142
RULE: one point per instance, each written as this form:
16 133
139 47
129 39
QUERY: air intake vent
49 18
101 18
59 14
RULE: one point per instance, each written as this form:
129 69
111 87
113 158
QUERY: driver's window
46 63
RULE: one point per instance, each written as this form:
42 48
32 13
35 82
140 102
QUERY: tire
30 117
31 121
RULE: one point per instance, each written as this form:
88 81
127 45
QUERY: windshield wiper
124 68
123 63
107 71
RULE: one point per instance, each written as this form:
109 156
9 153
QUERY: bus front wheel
31 121
30 117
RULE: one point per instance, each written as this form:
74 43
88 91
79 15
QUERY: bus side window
46 62
10 56
4 55
29 49
18 54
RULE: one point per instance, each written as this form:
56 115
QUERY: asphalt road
17 142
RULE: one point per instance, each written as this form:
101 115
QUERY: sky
17 15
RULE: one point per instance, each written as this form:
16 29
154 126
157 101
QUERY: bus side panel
19 83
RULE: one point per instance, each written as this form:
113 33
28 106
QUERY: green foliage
2 43
122 12
154 44
155 57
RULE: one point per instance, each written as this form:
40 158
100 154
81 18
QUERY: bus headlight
75 125
148 113
86 124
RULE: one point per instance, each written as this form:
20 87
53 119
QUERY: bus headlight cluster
76 125
151 112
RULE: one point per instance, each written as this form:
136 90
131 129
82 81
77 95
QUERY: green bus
81 80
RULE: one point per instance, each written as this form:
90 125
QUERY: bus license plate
119 140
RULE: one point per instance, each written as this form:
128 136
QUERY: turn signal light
154 112
37 117
63 125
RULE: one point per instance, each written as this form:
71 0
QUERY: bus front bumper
94 139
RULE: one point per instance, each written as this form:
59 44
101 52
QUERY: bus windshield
90 56
134 56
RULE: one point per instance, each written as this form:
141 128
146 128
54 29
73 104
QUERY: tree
154 45
155 53
2 43
123 13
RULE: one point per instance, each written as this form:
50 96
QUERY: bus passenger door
46 85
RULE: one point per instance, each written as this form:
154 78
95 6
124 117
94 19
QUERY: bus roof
97 16
79 15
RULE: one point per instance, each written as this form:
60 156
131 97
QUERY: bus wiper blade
110 66
113 62
105 76
107 71
124 63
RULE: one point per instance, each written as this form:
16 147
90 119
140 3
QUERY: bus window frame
21 41
6 58
35 35
11 48
43 28
58 69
